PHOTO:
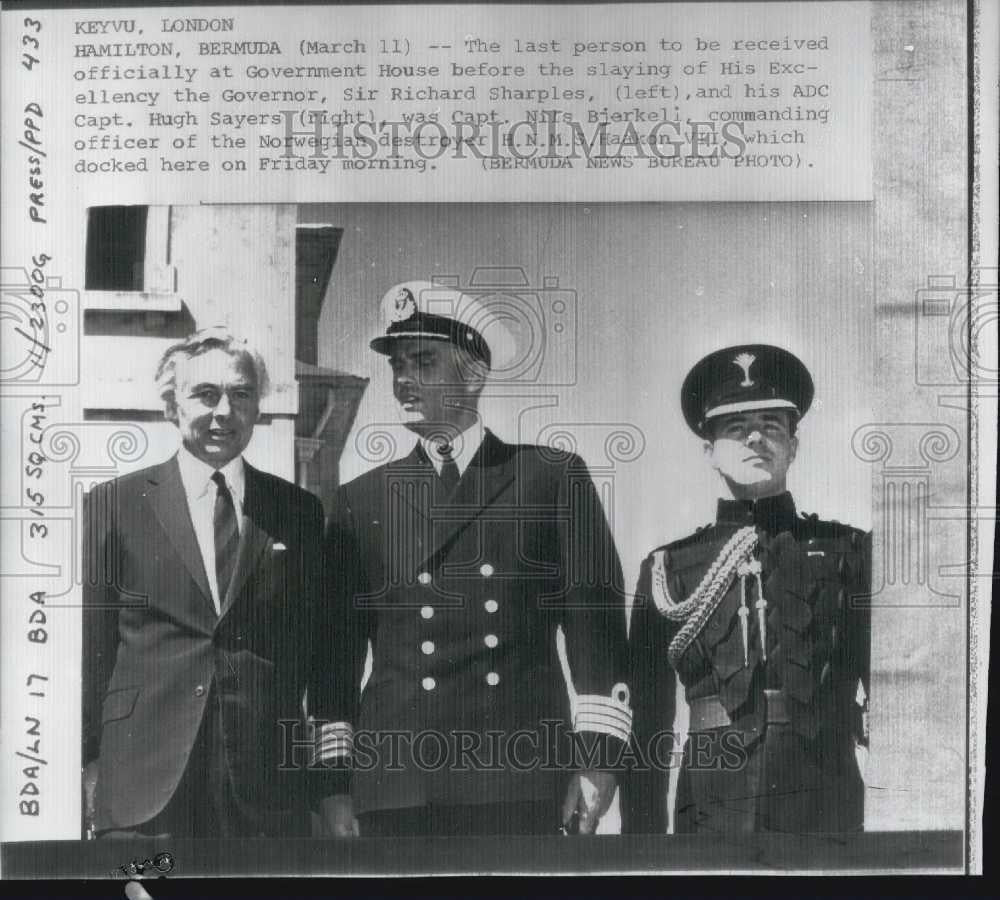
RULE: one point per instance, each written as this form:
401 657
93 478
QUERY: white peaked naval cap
423 309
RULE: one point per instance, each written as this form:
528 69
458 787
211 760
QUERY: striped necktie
227 535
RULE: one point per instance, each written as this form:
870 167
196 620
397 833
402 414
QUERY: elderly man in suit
466 555
203 603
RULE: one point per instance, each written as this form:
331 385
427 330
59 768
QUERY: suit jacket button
199 691
429 683
486 570
427 612
424 577
491 606
427 647
492 679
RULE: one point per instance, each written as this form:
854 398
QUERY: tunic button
427 647
199 691
486 570
424 577
491 640
427 612
491 606
429 683
492 679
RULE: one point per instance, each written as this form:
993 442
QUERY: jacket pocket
118 704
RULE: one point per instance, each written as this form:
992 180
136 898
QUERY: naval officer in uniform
465 557
762 615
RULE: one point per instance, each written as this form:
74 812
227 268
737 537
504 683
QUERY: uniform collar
196 476
772 514
465 446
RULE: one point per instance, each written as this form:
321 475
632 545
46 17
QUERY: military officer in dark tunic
762 615
457 563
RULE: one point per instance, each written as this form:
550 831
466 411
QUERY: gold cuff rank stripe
605 715
705 599
334 740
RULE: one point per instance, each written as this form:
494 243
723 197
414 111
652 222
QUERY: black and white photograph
461 446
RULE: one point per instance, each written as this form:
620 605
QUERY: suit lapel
165 496
411 481
399 506
489 473
254 539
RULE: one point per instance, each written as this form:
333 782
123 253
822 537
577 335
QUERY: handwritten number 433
29 40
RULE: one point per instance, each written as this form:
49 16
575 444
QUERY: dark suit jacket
461 603
155 651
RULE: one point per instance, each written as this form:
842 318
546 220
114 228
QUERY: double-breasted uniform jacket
156 653
461 601
776 692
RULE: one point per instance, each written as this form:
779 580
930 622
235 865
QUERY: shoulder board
830 529
699 535
698 539
545 454
372 481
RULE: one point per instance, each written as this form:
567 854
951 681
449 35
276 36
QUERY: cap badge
744 361
404 305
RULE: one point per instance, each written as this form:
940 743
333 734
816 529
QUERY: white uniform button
486 570
424 577
429 683
427 612
491 641
492 679
427 647
491 606
199 691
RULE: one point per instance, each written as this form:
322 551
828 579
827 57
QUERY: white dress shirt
464 447
201 492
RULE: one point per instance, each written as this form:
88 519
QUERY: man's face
217 405
431 385
752 451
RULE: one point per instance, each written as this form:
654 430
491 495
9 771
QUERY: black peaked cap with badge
744 378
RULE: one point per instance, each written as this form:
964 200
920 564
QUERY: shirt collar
464 447
772 514
196 476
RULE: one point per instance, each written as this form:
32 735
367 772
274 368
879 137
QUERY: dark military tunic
775 717
461 602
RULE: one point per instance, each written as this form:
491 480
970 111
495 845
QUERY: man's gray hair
216 338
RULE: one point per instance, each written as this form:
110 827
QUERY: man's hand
337 816
135 891
90 794
590 794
